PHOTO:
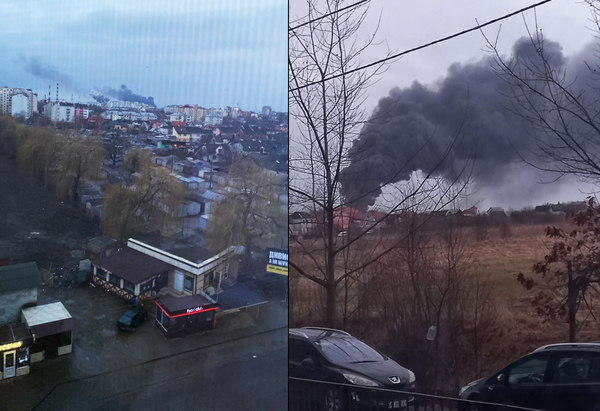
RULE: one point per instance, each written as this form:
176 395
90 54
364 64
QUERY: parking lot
145 356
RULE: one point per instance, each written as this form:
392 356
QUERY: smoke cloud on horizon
411 129
44 71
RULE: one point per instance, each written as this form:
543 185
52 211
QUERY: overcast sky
211 53
406 24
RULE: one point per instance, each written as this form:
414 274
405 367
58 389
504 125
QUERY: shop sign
193 310
11 346
277 261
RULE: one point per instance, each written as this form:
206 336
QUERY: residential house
344 217
181 134
470 212
200 135
496 212
302 224
227 134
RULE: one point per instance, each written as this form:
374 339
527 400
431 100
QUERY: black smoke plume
36 68
124 94
412 128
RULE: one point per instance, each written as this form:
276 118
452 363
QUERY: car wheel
334 399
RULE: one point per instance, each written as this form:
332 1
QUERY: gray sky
406 24
211 53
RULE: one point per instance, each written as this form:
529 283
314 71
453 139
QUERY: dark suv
557 377
335 356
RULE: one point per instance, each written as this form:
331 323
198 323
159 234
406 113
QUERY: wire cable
327 15
478 27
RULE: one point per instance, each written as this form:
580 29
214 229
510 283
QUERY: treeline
143 199
58 159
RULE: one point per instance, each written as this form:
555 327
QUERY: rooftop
19 276
43 314
132 265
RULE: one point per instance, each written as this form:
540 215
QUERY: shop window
115 280
145 287
189 283
128 285
23 357
101 273
64 338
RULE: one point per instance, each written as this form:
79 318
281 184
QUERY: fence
311 395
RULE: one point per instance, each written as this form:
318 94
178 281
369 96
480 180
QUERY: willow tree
148 195
80 158
250 210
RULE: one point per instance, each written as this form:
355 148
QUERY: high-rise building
266 111
20 105
5 100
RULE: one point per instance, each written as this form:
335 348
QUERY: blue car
132 319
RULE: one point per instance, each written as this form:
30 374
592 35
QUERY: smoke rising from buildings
468 110
44 71
124 94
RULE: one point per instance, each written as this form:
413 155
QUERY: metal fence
311 395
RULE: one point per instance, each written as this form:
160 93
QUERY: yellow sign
277 269
11 346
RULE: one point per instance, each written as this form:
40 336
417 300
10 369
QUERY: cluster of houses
306 223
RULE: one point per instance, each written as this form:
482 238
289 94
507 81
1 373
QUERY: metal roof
43 314
19 276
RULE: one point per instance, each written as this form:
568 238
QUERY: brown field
499 258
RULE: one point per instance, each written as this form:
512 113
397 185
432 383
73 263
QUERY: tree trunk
571 304
75 186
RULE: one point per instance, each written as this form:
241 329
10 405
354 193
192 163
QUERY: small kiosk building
51 327
180 316
15 340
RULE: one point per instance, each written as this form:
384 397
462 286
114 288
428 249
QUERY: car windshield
347 351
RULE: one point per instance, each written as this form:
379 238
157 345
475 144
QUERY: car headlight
465 388
358 380
411 376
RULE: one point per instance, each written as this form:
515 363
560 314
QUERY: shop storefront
180 316
51 327
15 341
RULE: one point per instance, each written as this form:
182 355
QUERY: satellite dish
431 332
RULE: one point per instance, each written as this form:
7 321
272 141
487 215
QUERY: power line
480 26
327 15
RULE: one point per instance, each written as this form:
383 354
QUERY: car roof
569 347
317 333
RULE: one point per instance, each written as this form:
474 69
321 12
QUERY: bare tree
567 280
327 106
562 107
250 210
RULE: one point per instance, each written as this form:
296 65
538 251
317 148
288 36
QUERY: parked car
556 377
132 319
335 356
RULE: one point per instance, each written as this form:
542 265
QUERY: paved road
109 369
245 374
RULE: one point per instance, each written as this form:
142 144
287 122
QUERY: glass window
301 350
100 273
347 350
531 371
23 356
572 369
146 286
128 285
115 279
189 283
